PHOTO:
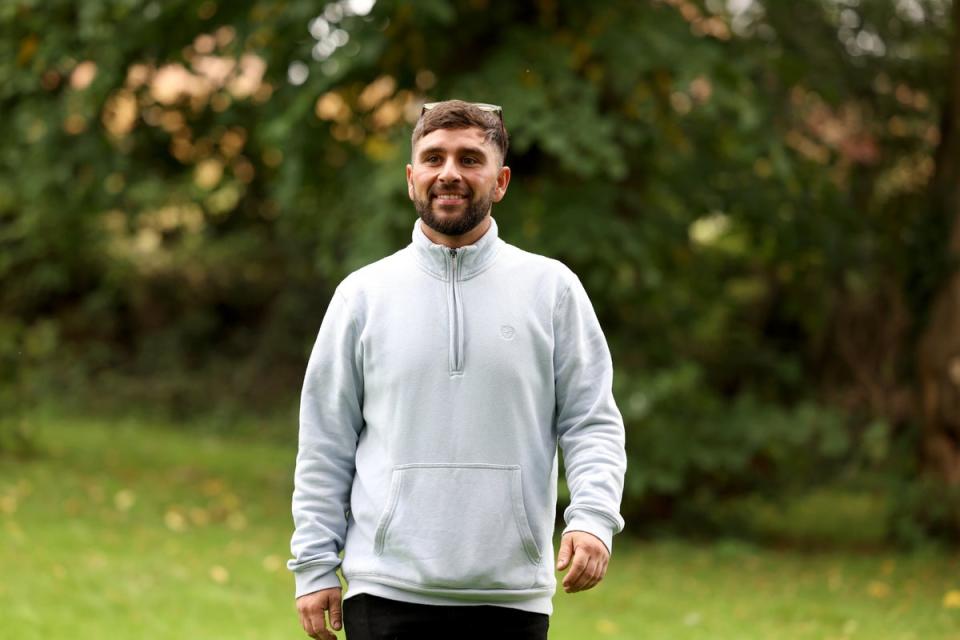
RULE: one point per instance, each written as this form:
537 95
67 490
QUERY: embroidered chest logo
507 332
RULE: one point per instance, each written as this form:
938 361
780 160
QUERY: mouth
449 198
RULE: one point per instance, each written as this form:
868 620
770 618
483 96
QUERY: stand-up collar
472 258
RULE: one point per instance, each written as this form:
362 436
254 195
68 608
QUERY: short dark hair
457 114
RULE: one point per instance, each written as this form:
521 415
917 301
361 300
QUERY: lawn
137 530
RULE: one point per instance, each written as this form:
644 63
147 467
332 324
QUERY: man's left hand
587 558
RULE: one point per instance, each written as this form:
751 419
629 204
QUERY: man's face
455 178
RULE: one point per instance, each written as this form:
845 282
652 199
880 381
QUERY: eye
470 161
431 159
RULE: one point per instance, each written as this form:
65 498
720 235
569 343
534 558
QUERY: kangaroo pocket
458 526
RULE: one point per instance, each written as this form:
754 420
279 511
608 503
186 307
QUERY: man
440 384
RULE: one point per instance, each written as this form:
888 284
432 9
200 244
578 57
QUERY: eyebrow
462 150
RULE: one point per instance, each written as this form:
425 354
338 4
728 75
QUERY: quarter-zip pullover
437 391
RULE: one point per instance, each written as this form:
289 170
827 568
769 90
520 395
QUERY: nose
449 172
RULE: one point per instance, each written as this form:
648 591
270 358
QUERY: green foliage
20 345
183 184
690 452
923 512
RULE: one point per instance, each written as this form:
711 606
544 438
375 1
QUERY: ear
503 179
410 190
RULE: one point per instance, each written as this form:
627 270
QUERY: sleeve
330 423
589 425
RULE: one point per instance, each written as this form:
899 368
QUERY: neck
455 242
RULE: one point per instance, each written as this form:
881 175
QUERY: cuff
593 524
312 579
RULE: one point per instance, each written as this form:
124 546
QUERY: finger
586 578
593 573
303 623
303 610
315 626
335 612
589 575
320 626
566 551
307 625
596 575
577 566
320 631
326 634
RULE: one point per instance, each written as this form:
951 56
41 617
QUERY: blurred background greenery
761 198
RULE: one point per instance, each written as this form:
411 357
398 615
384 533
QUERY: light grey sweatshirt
439 386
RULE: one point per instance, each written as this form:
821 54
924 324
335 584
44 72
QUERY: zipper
456 318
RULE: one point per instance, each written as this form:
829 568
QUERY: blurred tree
939 353
183 183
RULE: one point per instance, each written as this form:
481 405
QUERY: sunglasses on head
483 106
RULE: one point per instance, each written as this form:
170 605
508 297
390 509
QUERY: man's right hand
312 608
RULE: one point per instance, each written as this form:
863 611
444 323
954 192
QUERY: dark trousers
367 617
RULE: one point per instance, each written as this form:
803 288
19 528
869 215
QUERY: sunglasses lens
483 106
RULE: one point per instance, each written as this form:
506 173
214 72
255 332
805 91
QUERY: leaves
182 185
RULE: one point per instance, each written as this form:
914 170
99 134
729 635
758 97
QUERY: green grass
131 530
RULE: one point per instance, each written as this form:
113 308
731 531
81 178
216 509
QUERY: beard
472 215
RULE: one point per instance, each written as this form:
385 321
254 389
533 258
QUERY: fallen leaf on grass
95 492
607 627
175 521
230 501
219 574
272 563
213 487
199 517
951 599
124 499
878 589
8 504
692 619
237 521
